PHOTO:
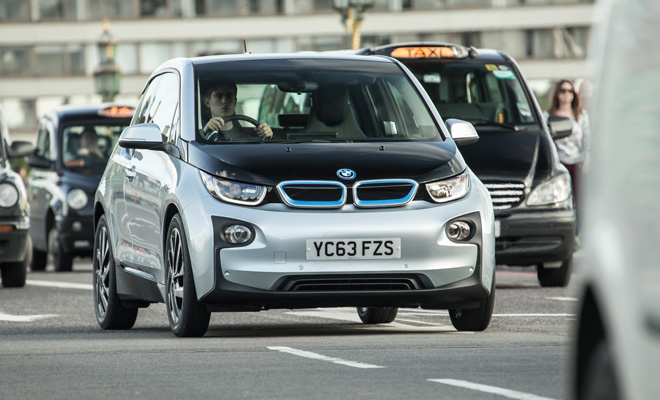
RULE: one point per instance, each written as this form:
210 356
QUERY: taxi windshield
308 100
483 93
86 148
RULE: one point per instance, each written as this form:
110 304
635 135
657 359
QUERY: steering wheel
236 117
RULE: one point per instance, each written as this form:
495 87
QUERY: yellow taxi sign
424 52
117 112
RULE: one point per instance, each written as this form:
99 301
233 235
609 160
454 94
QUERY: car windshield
307 100
475 91
86 148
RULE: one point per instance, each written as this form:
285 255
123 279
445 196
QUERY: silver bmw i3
256 182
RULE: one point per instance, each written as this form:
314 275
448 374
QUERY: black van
515 156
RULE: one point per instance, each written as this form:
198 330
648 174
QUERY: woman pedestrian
572 149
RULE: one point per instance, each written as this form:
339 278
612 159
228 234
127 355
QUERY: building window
20 114
56 9
15 61
14 10
154 8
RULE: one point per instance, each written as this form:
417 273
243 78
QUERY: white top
573 148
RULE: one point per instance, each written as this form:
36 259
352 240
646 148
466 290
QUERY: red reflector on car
6 228
117 112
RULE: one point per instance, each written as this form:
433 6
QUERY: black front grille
383 191
313 193
505 194
350 284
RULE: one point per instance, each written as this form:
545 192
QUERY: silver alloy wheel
175 265
103 273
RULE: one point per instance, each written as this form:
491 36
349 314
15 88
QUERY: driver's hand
264 131
214 124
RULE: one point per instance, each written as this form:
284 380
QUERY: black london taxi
73 146
515 156
14 213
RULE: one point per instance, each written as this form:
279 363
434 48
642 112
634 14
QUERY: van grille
505 194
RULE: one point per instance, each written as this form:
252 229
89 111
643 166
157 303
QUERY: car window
142 114
308 100
477 92
165 104
86 148
43 143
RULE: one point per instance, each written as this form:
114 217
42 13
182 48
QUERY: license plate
353 249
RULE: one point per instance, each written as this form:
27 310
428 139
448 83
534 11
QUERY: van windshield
311 100
475 91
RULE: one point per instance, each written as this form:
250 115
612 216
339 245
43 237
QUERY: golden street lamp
107 75
352 14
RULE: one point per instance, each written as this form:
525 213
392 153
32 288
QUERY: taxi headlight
556 190
8 195
234 192
76 199
450 189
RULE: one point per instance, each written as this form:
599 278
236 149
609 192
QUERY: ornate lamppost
352 15
107 75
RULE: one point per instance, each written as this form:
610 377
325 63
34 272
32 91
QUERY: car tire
555 277
110 312
474 319
62 261
187 315
377 315
599 378
14 274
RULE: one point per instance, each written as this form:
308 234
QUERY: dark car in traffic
14 213
515 156
73 146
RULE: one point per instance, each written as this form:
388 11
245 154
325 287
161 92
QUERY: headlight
234 192
8 195
449 189
76 199
556 190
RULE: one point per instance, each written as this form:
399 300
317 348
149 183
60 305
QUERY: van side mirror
461 131
35 161
560 127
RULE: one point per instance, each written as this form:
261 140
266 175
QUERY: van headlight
8 195
556 190
76 199
450 189
234 192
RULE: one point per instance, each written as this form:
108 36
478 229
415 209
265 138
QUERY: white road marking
315 356
24 318
62 285
534 315
562 298
512 394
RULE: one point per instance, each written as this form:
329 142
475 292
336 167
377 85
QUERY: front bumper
273 271
532 237
76 233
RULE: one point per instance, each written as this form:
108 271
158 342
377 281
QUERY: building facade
48 48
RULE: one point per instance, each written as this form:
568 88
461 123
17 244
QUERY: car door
41 184
148 175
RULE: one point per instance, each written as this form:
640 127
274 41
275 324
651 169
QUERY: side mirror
40 162
143 136
20 148
461 131
148 137
560 127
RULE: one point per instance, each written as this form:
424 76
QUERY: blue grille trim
389 202
281 188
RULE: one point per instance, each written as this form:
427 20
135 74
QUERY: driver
221 100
